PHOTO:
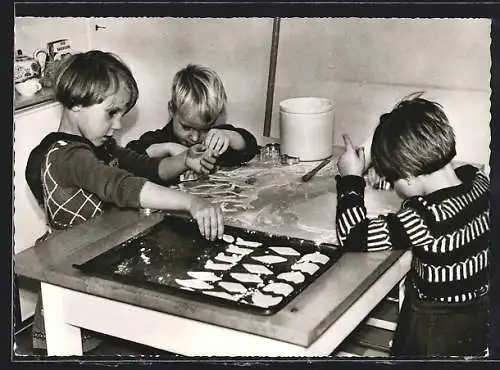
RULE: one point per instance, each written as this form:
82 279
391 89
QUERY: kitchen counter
313 323
45 95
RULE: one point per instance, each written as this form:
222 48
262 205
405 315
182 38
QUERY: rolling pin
308 176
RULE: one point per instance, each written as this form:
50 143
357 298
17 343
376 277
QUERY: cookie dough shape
263 300
307 267
228 238
285 251
279 288
257 269
269 259
193 284
247 243
229 259
204 275
231 297
315 257
210 265
246 277
295 277
233 287
238 250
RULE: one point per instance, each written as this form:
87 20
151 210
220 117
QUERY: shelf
42 96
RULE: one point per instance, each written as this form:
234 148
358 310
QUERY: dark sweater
230 157
447 231
73 180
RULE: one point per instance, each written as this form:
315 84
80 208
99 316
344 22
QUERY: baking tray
173 250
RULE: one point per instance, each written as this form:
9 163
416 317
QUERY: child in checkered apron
79 171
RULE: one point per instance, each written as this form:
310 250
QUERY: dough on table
231 297
210 265
193 283
228 238
308 267
245 277
269 259
314 257
257 269
285 251
264 300
231 248
233 287
279 288
295 277
204 275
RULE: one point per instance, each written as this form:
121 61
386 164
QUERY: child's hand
209 217
352 162
200 160
217 140
161 150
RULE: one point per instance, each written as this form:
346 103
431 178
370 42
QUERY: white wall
367 65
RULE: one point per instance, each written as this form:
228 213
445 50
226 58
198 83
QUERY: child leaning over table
444 220
197 103
78 171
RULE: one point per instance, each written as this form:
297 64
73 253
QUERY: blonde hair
201 89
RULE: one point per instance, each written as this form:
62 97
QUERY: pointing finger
348 142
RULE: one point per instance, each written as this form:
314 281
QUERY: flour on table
285 251
246 277
295 277
193 283
204 275
269 259
279 288
257 269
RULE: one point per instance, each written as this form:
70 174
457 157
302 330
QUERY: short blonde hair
200 88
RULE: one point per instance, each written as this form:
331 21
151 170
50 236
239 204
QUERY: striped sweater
447 232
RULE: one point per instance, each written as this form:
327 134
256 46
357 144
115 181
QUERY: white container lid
306 105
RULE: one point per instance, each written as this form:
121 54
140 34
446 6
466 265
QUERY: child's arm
355 232
149 138
235 145
76 165
160 170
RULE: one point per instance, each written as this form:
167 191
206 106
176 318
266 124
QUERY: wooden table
312 324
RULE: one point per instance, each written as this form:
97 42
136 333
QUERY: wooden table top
301 322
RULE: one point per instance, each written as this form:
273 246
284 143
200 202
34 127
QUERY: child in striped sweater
443 220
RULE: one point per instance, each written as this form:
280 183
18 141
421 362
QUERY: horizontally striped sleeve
357 232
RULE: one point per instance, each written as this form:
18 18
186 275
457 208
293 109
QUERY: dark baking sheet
156 257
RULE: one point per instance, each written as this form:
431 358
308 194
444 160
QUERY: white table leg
63 339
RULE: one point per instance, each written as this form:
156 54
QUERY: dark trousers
428 329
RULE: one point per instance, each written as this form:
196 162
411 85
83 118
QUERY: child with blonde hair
197 105
79 171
